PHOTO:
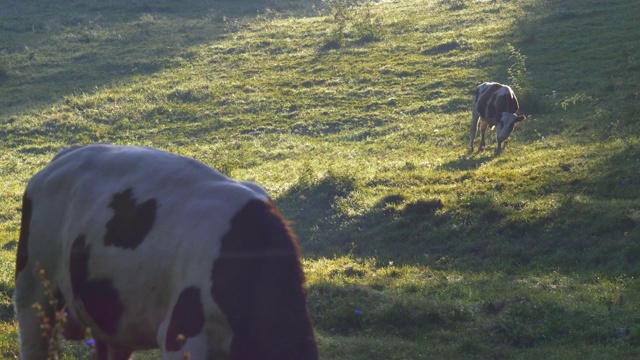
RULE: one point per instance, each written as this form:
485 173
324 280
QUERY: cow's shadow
468 161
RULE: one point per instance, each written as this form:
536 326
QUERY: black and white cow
150 249
496 105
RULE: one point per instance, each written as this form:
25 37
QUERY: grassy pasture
356 122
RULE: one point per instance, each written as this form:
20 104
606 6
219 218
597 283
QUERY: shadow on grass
314 207
6 302
52 50
468 162
10 245
593 226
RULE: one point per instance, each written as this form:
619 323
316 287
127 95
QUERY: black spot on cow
187 318
22 256
131 222
72 330
100 298
258 283
102 302
79 263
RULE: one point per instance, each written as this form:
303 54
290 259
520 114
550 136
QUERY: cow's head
505 125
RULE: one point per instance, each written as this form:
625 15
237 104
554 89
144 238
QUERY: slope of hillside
355 119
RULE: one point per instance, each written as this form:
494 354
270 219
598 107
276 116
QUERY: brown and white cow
150 249
496 105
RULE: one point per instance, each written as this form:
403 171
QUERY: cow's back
492 99
132 198
131 235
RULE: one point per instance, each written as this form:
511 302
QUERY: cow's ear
520 118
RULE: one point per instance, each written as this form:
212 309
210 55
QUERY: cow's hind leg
33 309
473 128
103 351
483 129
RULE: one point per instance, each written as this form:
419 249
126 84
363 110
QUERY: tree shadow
593 226
324 230
424 231
50 50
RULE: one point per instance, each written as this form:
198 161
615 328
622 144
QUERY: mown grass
412 248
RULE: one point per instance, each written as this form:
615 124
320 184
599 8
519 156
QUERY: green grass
358 127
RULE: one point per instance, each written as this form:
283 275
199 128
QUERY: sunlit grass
413 249
451 312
